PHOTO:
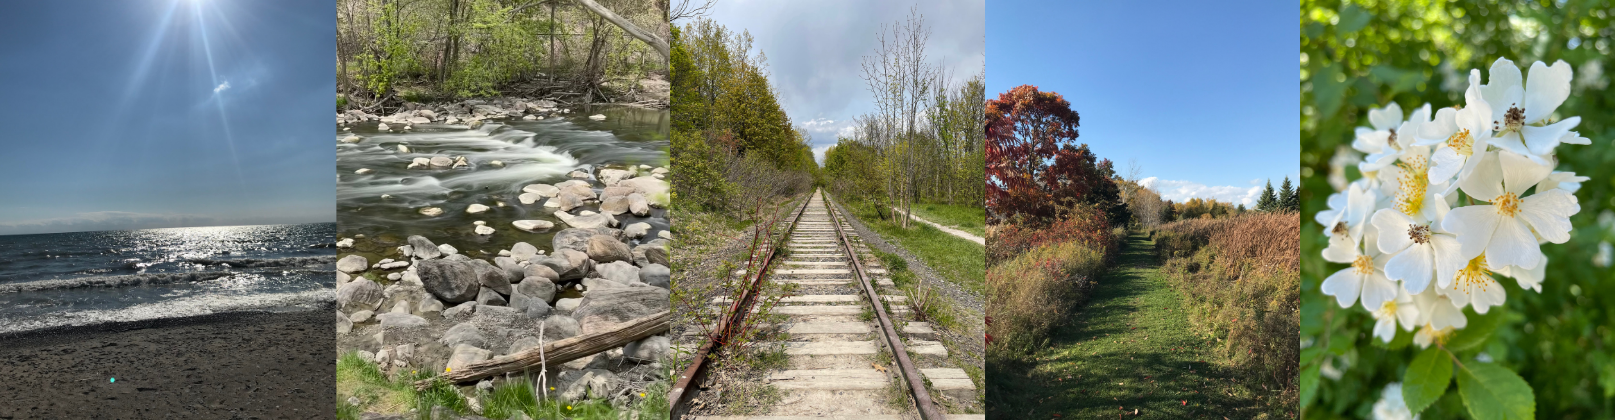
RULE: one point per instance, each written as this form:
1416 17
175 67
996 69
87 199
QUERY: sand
243 365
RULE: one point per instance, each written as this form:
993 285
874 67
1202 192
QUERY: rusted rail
679 396
911 374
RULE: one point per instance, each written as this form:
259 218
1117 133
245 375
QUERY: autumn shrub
1081 224
1240 280
1029 294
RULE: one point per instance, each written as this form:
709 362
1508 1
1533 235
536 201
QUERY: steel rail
679 396
922 397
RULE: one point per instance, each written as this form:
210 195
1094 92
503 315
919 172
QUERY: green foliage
1426 379
1360 54
1268 201
1494 392
1287 200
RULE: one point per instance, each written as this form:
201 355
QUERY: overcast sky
815 47
162 113
1201 94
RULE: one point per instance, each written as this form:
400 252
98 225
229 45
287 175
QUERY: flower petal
1513 244
1385 328
1438 130
1485 183
1548 213
1546 88
1413 267
1520 172
1473 226
1341 249
1445 164
1377 289
1487 295
1504 75
1444 250
1542 140
1390 116
1344 285
1392 223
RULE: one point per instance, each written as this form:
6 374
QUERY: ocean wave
267 262
113 281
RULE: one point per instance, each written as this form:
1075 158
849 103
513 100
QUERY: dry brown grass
1240 278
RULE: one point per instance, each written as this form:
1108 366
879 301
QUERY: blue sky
815 47
1201 94
159 113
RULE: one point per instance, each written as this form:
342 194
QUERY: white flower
1408 188
1520 112
1345 220
1382 142
1567 181
1399 310
1474 285
1528 278
1503 228
1454 132
1438 317
1421 249
1365 277
1391 406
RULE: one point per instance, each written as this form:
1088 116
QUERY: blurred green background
1361 54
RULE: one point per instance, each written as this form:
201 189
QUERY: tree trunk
552 354
655 42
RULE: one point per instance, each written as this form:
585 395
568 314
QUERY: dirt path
1131 348
951 231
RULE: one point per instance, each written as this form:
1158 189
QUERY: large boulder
512 268
343 325
580 189
651 348
395 321
489 297
656 275
612 176
463 333
449 280
565 201
533 307
618 271
352 264
567 264
636 230
423 248
540 271
491 277
604 310
537 288
543 190
638 205
654 190
466 354
578 239
560 328
586 221
604 249
523 251
614 205
361 294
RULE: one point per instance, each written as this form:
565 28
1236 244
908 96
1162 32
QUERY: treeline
573 51
924 140
733 146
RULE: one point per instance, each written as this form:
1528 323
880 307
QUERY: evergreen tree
1269 201
1241 209
1168 213
1288 200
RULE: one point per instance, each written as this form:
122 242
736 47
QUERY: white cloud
818 153
1179 191
222 87
105 220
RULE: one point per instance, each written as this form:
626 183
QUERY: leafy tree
1169 212
1033 163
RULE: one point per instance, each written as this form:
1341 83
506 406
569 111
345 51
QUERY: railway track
848 356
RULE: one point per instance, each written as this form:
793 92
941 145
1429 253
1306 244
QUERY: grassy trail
1130 348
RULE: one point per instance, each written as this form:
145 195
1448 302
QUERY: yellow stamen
1476 274
1462 142
1386 310
1415 181
1364 265
1508 205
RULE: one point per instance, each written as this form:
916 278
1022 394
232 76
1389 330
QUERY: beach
234 365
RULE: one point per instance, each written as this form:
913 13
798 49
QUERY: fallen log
558 352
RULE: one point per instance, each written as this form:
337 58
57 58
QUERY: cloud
818 154
1179 191
222 87
105 220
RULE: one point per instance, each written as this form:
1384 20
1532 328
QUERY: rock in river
605 249
352 264
423 248
533 225
451 281
361 294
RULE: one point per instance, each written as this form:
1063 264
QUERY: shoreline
207 366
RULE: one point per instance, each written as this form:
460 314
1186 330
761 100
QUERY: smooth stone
522 251
483 230
636 230
441 161
638 205
605 249
568 304
391 321
465 355
431 211
544 190
463 309
578 239
429 305
656 275
451 281
585 222
611 176
423 248
651 348
361 316
529 198
447 249
604 310
491 277
522 344
560 327
618 271
343 325
598 117
345 243
614 205
578 175
351 139
463 333
533 225
352 264
476 208
491 298
541 271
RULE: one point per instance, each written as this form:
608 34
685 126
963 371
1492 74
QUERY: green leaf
1328 89
1312 30
1426 378
1309 384
1479 329
1403 339
1493 392
1398 80
1352 19
1310 354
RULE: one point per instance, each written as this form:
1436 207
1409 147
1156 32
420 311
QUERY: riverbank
211 366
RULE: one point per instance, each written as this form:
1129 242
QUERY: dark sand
229 366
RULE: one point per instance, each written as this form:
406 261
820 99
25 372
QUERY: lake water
84 278
543 151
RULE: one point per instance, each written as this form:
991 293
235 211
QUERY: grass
1131 348
1032 293
971 219
377 392
957 260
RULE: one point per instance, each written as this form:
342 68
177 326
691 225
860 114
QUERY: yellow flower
448 369
569 407
641 395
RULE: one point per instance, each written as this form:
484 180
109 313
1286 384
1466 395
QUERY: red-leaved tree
1034 165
